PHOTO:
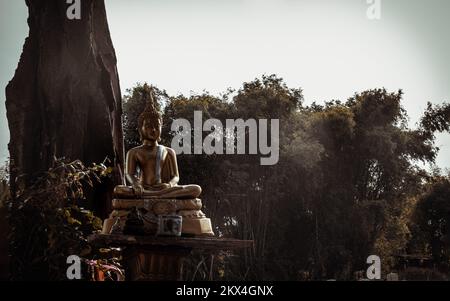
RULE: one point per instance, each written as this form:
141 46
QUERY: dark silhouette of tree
432 220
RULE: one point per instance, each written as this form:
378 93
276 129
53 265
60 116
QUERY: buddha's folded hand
161 186
138 189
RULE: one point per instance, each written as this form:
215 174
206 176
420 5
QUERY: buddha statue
151 175
151 169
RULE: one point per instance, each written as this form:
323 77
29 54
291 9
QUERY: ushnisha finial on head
151 114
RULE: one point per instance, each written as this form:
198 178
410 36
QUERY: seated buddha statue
151 175
151 169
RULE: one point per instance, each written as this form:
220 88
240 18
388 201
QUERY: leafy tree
346 185
432 220
48 223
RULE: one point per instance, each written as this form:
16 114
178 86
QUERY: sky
329 48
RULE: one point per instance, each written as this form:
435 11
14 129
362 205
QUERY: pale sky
329 48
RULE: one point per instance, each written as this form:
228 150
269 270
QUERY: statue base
194 221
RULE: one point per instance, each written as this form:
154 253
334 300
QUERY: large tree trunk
65 99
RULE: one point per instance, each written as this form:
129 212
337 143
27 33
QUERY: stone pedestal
147 258
194 221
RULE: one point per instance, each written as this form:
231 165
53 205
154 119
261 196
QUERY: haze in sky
329 48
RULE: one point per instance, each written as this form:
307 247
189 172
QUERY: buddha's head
149 124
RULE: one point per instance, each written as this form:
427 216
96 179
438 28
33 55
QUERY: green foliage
47 225
432 221
436 119
268 97
345 187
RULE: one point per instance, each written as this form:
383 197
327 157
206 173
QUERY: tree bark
64 99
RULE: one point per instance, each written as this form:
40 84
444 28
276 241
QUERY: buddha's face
151 130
